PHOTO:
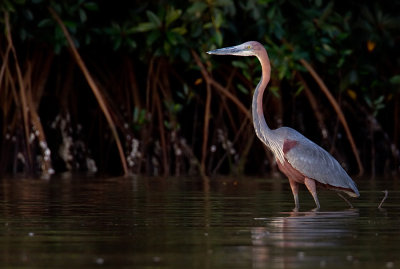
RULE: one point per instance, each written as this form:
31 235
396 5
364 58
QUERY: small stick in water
384 198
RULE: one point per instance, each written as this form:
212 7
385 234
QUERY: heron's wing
314 162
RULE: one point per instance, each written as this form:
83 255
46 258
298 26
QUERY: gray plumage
315 162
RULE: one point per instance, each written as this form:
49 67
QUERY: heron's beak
235 50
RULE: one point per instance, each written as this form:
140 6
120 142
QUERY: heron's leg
344 198
295 190
310 184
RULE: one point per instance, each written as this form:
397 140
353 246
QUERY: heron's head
250 48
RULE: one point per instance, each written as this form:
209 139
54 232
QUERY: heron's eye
248 47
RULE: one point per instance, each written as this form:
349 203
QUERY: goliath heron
300 159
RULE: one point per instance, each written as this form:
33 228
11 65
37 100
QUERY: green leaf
117 44
300 54
45 22
196 31
218 19
395 80
71 25
82 15
167 48
197 8
278 30
172 15
23 34
379 100
340 62
57 7
240 64
328 49
185 88
57 48
185 55
207 25
152 37
246 73
180 95
139 116
177 108
299 90
271 12
91 6
143 27
242 89
131 43
275 91
171 37
179 30
218 38
320 57
347 52
368 101
168 125
88 39
28 14
7 6
153 18
353 77
282 71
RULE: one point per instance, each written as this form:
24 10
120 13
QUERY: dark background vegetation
157 104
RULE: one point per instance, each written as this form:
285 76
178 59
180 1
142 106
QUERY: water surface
87 222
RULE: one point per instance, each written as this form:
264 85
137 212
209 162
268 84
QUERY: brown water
184 223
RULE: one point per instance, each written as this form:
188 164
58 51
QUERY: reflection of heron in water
300 159
293 234
305 228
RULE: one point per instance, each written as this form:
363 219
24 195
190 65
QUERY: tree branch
338 110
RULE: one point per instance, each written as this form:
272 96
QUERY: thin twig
149 75
205 128
5 62
384 198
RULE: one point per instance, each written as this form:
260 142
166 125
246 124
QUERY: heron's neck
262 130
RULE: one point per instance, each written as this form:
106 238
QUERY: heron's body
303 158
300 159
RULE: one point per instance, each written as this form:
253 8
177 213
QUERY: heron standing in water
300 159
